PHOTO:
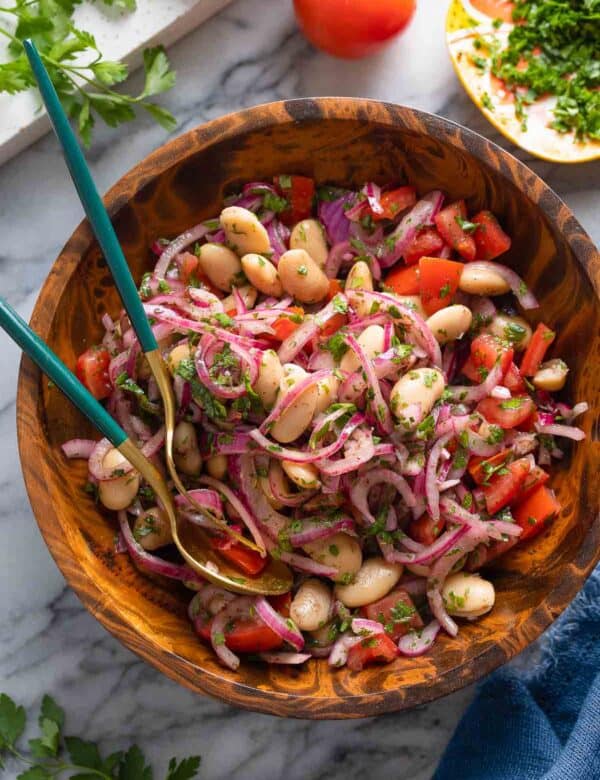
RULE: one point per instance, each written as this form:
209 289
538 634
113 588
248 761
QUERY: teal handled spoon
113 253
276 578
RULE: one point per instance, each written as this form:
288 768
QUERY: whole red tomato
352 28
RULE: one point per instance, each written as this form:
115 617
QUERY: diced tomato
396 612
285 325
448 222
438 282
505 485
536 349
92 371
395 201
535 511
427 243
281 603
188 264
480 468
244 636
507 413
424 529
246 560
482 555
529 422
486 350
299 191
514 381
496 9
403 281
490 240
377 649
536 477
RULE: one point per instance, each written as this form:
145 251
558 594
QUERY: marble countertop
250 53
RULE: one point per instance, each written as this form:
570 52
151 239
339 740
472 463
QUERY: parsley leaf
12 721
185 769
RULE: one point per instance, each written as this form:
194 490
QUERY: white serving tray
120 36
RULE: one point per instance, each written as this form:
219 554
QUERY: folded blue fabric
538 718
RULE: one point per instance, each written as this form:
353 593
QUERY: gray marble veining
250 53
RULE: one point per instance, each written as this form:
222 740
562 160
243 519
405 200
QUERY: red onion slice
525 297
176 246
366 627
283 627
316 528
285 658
245 514
421 214
472 394
359 493
417 643
152 563
566 431
241 607
291 397
79 448
432 492
379 408
339 651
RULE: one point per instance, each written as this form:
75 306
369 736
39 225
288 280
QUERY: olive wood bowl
342 141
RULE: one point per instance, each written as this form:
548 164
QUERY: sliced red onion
321 360
334 217
338 254
417 643
432 492
287 499
283 627
379 407
566 431
152 563
366 627
500 392
96 459
472 394
359 493
204 360
207 499
285 658
185 324
176 246
117 365
242 510
455 424
498 529
308 565
571 414
421 214
241 607
477 445
525 297
78 448
317 528
482 308
362 453
297 340
279 237
414 586
339 652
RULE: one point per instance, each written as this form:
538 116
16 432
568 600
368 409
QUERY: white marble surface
249 53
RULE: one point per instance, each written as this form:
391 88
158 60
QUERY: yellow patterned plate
467 27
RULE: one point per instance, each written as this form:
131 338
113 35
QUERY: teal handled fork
113 253
196 551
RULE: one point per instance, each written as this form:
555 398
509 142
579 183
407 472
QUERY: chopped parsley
272 202
486 101
211 405
337 346
464 224
512 403
339 305
445 290
129 386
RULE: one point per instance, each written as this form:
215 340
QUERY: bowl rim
30 427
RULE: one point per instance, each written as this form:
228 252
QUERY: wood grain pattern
343 141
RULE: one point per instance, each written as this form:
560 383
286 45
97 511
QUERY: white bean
248 294
301 277
468 595
551 375
327 391
244 232
282 486
297 417
309 235
152 529
291 375
304 475
312 605
374 580
323 636
177 354
414 394
371 340
450 323
118 493
340 550
270 374
359 277
478 281
216 466
185 449
221 265
262 274
510 328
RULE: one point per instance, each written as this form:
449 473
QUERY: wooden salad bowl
346 142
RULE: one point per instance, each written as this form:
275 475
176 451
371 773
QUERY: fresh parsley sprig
83 80
52 755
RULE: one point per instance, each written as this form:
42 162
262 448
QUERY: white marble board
120 35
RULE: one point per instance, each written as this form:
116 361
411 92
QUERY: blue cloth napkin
539 717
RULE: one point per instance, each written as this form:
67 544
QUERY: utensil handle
55 369
92 202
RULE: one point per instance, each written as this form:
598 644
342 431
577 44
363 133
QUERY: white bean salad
359 393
